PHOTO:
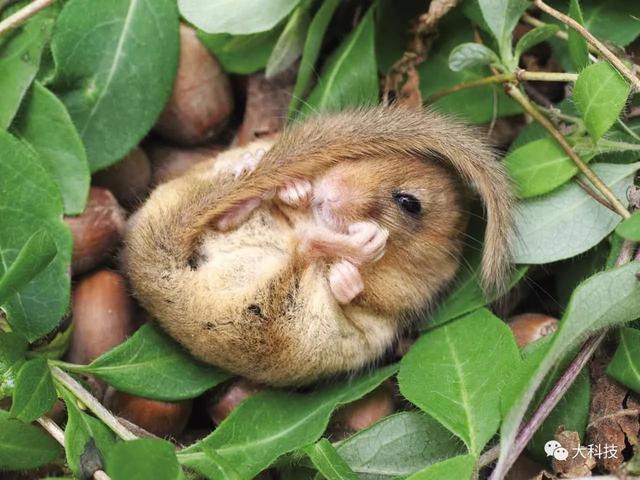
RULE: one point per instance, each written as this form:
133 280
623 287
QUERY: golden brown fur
248 300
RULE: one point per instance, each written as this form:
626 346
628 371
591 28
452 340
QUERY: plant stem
57 433
537 115
92 403
603 51
23 15
626 128
505 77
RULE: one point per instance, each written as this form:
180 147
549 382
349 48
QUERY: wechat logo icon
553 449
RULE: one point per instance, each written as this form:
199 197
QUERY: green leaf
152 365
533 37
614 21
290 43
19 61
80 430
630 228
476 105
328 461
30 201
143 458
34 394
460 468
241 18
447 371
24 446
45 125
310 52
578 50
540 167
397 446
501 17
567 221
241 53
469 55
116 62
272 423
350 76
13 349
36 254
600 94
216 465
604 300
625 365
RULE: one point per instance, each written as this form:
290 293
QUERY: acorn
529 327
164 419
97 231
221 403
129 179
102 315
201 101
168 162
364 412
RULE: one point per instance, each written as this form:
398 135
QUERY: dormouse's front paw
368 241
248 162
295 193
345 281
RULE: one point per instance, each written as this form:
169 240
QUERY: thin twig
489 456
23 15
505 77
627 412
592 193
57 433
92 403
537 115
626 252
603 51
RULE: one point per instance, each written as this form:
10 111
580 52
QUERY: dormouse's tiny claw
295 193
345 281
368 240
247 162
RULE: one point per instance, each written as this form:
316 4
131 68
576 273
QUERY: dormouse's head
410 197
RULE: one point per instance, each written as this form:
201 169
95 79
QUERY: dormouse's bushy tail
308 148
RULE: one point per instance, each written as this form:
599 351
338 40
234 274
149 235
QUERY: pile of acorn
198 122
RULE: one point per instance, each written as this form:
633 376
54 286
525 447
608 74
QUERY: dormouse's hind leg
365 243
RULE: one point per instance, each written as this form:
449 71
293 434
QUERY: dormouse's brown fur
248 300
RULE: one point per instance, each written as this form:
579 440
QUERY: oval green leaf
36 254
289 45
469 55
30 201
540 167
152 365
630 228
578 50
398 446
34 394
350 76
535 36
310 52
567 221
115 66
13 349
273 423
240 18
150 458
502 16
45 125
447 370
24 446
600 94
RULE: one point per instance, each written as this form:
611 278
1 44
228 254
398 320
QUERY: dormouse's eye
408 202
